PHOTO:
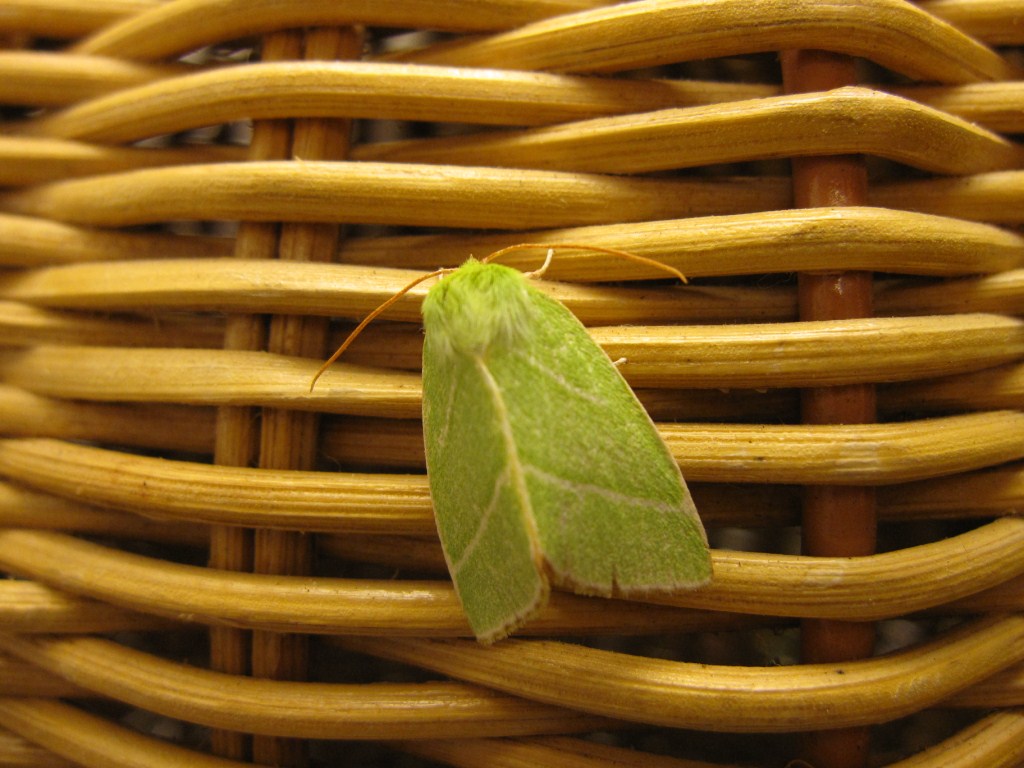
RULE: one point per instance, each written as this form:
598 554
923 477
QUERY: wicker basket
213 566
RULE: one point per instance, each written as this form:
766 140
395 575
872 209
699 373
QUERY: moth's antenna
635 257
369 319
543 267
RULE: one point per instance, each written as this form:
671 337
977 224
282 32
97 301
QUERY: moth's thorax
478 307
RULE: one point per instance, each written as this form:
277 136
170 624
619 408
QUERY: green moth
543 466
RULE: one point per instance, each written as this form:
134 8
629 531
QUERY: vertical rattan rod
236 432
837 521
289 439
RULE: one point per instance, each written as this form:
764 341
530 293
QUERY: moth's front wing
478 494
610 504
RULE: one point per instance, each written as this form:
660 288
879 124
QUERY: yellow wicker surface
213 566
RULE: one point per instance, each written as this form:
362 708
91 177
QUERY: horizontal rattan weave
212 565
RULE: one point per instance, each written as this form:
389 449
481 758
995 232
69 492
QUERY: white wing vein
511 475
558 379
607 494
485 520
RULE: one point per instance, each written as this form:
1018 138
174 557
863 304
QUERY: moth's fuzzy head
476 307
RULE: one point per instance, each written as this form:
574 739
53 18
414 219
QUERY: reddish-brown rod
837 520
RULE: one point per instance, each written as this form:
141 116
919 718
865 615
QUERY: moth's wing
479 496
611 507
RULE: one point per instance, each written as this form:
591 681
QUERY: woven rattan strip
211 564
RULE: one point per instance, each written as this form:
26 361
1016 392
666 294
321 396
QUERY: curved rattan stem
754 583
